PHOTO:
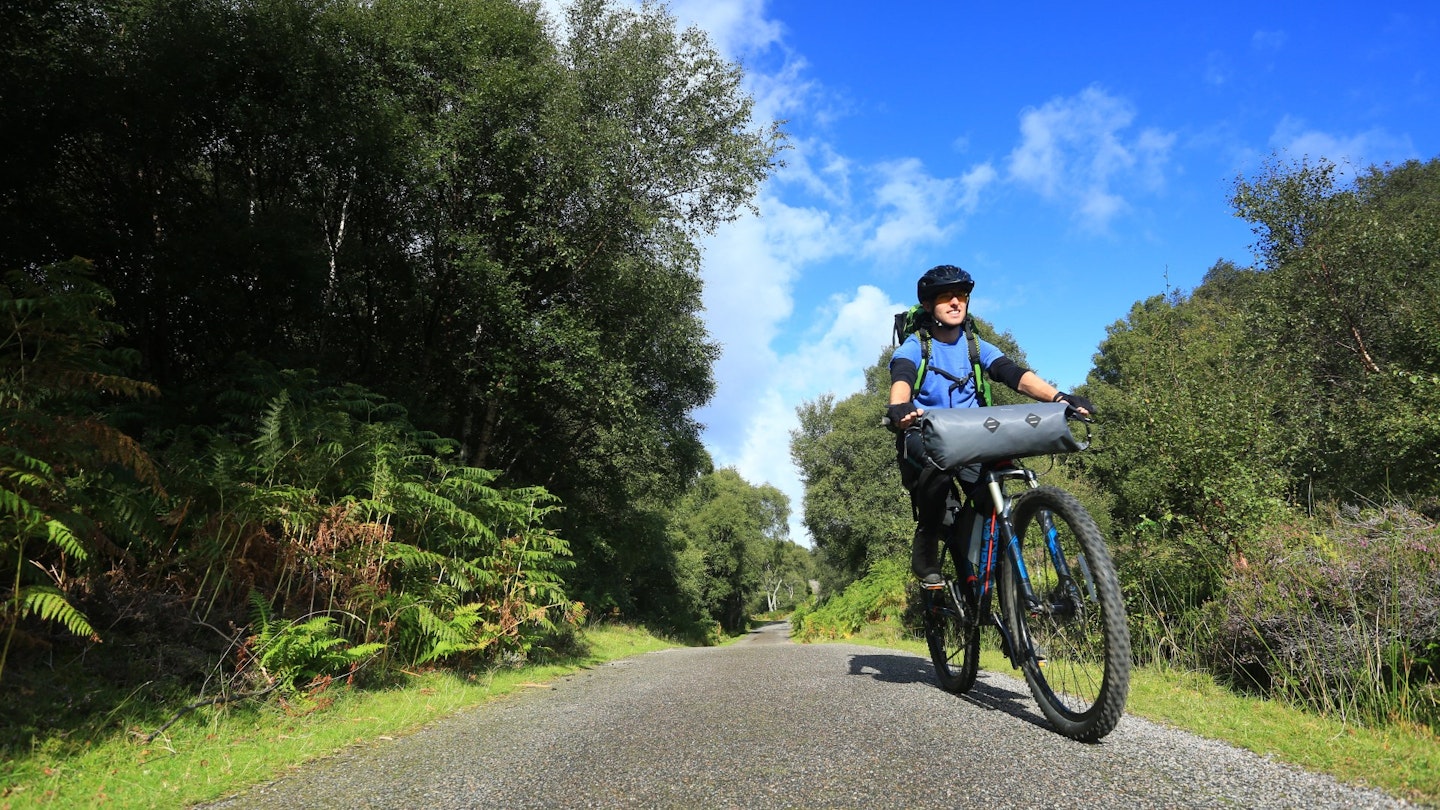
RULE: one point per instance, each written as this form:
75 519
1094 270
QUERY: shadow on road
992 695
998 698
892 668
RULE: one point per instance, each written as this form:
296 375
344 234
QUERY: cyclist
944 292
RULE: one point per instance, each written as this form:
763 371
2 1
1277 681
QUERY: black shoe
922 561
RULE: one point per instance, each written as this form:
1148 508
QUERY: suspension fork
1074 597
1002 504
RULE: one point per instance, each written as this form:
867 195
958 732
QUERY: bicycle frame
998 526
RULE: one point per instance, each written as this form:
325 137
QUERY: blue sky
1075 158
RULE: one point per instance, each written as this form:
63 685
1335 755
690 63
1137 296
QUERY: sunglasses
944 296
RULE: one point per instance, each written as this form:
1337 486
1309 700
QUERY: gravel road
768 723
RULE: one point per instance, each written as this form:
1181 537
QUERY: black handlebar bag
955 437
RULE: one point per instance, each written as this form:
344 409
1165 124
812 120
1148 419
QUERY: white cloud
1268 41
833 362
917 209
1075 151
1217 70
1293 138
819 207
819 170
735 27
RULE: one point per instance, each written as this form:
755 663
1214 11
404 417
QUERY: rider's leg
928 497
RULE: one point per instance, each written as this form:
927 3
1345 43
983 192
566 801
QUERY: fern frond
271 443
409 556
60 536
49 604
116 447
259 610
25 512
366 650
26 462
103 383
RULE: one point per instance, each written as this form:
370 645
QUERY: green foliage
786 571
1182 390
1268 391
50 605
332 504
300 652
56 450
855 508
882 595
732 536
1341 614
490 220
1347 306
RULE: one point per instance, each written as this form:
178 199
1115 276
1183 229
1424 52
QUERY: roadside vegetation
116 758
348 343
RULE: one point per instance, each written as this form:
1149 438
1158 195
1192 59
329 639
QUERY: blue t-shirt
936 391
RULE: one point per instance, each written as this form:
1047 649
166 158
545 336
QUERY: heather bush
1340 613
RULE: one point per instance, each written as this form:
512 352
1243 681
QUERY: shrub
1341 614
879 596
59 457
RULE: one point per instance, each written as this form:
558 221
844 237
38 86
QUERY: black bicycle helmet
942 277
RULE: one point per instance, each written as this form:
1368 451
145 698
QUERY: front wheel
952 631
1078 646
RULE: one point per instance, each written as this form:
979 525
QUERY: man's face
949 306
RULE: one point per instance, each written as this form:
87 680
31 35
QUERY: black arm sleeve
903 370
1007 371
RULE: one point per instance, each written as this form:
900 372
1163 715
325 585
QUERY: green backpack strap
982 385
905 323
924 335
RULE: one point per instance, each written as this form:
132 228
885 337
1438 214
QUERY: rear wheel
1076 646
952 630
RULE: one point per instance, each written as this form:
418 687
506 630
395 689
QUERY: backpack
917 321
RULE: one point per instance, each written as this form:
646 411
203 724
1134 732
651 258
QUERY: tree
1193 447
490 224
785 574
730 530
1350 297
58 456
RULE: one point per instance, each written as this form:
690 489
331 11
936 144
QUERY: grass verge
1401 760
214 752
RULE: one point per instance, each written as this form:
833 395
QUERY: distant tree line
1267 467
380 312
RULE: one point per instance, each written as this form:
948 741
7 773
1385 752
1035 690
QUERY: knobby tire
1079 624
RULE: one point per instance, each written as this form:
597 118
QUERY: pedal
928 586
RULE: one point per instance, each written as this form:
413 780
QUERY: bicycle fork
1017 649
1065 600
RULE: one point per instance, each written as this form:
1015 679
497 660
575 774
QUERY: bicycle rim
1078 659
953 639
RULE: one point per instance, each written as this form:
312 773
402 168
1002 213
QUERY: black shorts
929 486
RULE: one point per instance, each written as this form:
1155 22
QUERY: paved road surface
767 723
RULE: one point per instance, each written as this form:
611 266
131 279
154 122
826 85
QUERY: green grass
1401 760
214 752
